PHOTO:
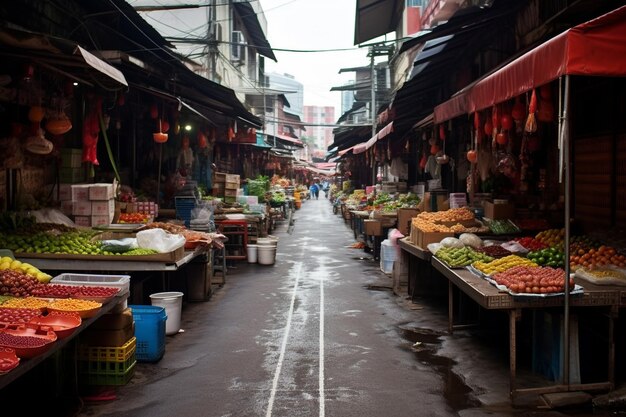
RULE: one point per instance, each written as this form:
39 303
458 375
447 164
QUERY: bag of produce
451 242
470 239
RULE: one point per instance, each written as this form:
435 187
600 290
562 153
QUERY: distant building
318 115
287 82
347 99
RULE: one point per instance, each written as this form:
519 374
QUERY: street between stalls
320 332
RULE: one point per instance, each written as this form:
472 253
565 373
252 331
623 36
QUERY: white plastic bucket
173 304
266 241
266 254
252 253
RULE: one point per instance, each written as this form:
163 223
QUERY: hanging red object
434 149
506 121
476 120
502 138
495 117
442 132
423 161
472 156
531 123
165 126
488 128
154 111
518 111
545 92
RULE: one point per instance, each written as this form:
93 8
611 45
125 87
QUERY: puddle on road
362 258
424 345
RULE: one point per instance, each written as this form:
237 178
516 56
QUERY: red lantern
495 117
165 126
472 156
506 121
434 149
488 128
159 137
519 111
502 138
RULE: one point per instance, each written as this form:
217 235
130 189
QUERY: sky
314 25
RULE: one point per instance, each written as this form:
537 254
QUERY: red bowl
18 336
8 360
63 324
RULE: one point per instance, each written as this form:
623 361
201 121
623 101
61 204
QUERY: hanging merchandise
154 111
37 142
91 129
472 156
502 138
545 109
477 132
518 111
495 121
442 132
531 122
160 136
58 123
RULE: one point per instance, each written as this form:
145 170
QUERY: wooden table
421 280
489 297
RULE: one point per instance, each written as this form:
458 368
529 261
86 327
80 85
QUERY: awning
381 134
255 31
376 18
286 140
58 54
594 48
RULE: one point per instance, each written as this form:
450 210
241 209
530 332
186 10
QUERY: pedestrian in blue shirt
314 190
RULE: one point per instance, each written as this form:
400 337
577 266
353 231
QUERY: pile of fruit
76 242
533 280
460 257
494 251
8 263
551 237
531 243
596 257
502 264
134 218
444 221
552 256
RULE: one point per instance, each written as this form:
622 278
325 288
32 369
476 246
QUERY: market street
318 333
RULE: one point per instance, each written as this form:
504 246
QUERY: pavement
320 333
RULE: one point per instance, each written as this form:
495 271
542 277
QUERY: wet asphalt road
319 333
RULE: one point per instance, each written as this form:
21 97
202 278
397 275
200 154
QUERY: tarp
593 48
362 147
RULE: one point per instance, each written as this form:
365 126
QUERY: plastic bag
514 247
470 239
434 247
451 242
120 245
50 215
159 240
394 235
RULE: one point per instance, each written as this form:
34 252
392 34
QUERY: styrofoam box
102 208
101 192
67 206
84 221
120 281
102 220
81 208
80 192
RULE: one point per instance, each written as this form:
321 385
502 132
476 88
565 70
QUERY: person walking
314 191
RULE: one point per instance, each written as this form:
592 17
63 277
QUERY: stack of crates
107 350
149 331
226 186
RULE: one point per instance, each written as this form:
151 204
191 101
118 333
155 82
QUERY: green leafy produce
460 257
502 227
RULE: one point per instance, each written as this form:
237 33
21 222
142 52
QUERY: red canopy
593 48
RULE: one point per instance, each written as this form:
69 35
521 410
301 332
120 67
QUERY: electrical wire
175 39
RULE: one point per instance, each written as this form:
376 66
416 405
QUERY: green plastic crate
108 379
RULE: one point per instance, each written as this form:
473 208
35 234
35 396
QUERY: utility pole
373 108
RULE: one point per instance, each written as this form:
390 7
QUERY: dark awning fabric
286 140
594 48
375 18
257 37
58 53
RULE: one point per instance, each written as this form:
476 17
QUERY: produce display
448 221
494 251
8 263
18 315
53 240
552 256
26 302
74 291
8 360
460 257
502 264
16 284
551 237
596 257
531 243
533 280
134 218
502 227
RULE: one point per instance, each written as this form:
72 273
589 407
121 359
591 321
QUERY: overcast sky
314 25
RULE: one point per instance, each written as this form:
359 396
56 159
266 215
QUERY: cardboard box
80 192
114 321
426 238
107 338
499 211
67 206
232 178
404 219
373 227
231 185
101 192
441 202
230 193
81 208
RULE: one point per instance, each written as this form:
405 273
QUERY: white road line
322 400
283 348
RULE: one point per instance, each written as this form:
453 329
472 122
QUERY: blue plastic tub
149 331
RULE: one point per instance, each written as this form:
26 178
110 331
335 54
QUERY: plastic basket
106 367
108 379
149 331
120 281
184 207
108 354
